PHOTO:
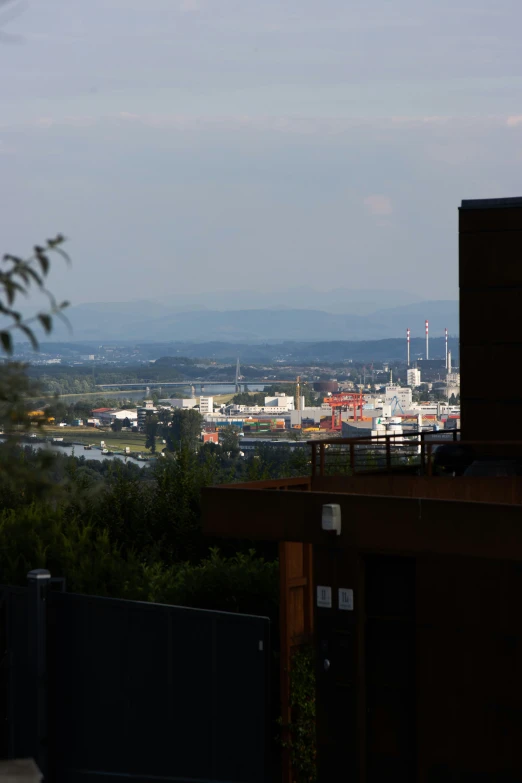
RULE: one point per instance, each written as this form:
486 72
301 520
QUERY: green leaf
28 272
42 259
10 290
7 341
59 238
46 321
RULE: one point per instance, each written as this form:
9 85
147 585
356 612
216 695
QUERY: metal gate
104 689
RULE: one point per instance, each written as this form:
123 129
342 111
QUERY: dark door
390 666
337 605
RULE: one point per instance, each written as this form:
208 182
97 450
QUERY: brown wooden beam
376 523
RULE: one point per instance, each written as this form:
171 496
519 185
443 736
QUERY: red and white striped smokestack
408 345
446 334
427 344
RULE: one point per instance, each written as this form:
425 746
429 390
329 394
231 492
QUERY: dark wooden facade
490 279
421 680
424 681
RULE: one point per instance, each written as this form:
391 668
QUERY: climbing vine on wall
302 740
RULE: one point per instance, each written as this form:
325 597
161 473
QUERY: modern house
403 565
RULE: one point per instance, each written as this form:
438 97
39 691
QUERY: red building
210 437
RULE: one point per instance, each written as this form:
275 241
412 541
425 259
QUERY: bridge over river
197 384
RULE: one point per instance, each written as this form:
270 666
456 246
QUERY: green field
89 435
98 395
222 399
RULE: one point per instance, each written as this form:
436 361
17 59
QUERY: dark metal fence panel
144 691
16 691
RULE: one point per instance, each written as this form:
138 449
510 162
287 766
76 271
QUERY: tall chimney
449 361
408 345
446 333
427 346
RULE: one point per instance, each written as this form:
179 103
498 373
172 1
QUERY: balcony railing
407 452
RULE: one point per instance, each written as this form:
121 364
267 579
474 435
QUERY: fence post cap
39 573
19 771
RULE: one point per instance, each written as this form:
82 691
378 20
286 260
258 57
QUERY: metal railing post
430 467
388 454
423 454
39 582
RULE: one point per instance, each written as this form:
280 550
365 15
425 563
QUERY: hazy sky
186 145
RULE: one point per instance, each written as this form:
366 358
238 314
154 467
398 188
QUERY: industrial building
283 401
206 405
179 402
405 574
106 416
398 397
143 411
413 377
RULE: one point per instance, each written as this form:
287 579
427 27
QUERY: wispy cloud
5 150
290 124
189 6
419 121
378 205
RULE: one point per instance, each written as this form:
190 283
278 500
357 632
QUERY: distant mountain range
151 321
291 352
349 301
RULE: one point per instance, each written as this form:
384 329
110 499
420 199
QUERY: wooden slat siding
296 622
478 489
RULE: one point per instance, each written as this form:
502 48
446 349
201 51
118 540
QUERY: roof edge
492 203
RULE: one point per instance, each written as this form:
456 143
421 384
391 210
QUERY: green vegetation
115 529
301 731
19 277
81 379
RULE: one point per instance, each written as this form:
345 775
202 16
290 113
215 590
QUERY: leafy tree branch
18 277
